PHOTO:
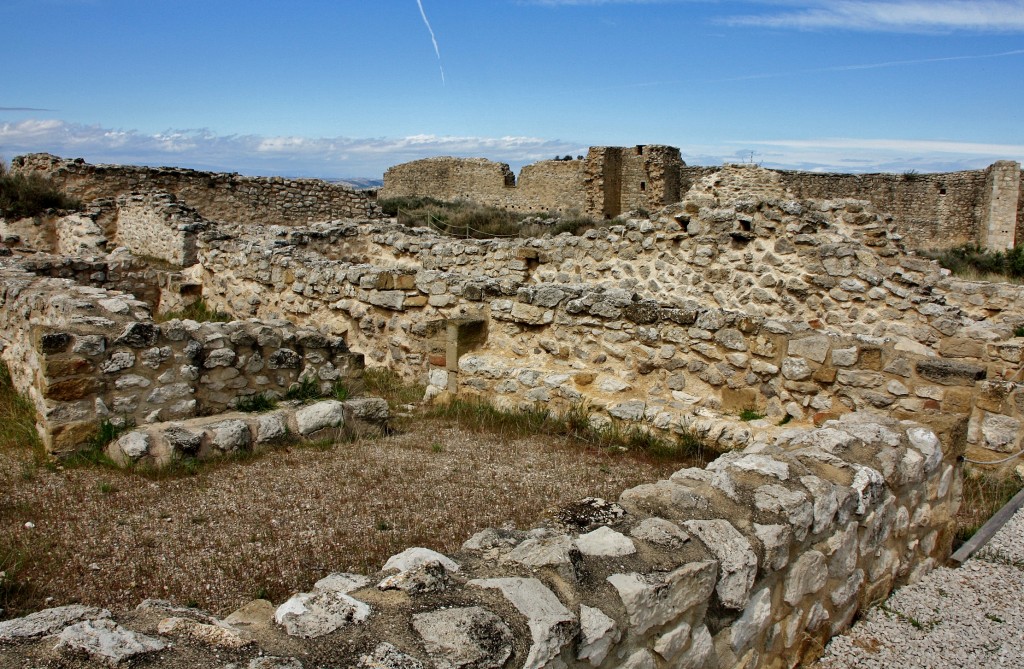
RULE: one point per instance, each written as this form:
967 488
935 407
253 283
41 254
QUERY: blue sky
344 88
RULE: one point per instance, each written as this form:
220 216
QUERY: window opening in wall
942 191
643 186
639 149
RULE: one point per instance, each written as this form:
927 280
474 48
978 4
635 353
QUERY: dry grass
272 525
984 494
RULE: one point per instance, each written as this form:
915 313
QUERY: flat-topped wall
218 197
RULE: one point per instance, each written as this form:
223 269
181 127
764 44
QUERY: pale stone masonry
738 296
934 210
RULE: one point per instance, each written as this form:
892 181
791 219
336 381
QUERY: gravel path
967 617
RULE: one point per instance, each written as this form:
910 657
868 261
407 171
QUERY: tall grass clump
23 196
974 262
17 416
984 494
388 384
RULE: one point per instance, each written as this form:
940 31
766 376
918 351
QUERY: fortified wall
608 182
944 210
216 196
736 297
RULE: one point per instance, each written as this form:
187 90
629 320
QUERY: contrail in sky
432 39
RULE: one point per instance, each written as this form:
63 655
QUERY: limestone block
134 445
791 504
411 558
751 462
665 499
950 373
641 659
552 626
605 542
753 622
105 641
1001 433
796 369
736 557
230 435
776 540
548 552
219 636
598 634
826 501
808 575
660 532
655 599
314 614
812 348
48 621
319 416
270 427
470 637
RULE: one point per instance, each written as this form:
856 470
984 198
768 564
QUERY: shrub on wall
23 196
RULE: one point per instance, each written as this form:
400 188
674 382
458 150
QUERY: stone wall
752 562
155 225
807 309
610 181
83 354
218 197
945 210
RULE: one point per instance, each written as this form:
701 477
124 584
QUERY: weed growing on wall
23 196
197 311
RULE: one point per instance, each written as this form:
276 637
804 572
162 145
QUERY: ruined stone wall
999 206
930 210
801 309
155 225
610 181
218 197
84 354
550 185
755 561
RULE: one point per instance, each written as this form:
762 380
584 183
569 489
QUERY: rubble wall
83 354
217 196
154 225
709 309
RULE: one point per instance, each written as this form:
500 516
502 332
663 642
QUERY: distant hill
358 182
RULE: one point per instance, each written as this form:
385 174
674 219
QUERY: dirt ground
272 525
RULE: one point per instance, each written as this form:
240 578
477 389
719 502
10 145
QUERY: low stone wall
752 562
83 354
218 197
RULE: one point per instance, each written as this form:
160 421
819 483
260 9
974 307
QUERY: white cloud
254 154
896 15
369 157
870 155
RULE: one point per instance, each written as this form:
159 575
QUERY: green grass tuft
974 262
386 383
749 414
255 403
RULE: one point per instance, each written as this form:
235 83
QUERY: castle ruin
875 369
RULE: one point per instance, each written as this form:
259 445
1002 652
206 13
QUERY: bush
23 196
972 261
